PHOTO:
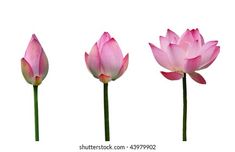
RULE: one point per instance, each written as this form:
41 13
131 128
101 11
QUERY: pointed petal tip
113 39
86 57
34 37
152 45
169 31
106 33
213 42
126 58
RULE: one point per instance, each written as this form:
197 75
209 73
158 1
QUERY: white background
145 108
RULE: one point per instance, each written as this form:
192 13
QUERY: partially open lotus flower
185 54
34 65
105 60
106 63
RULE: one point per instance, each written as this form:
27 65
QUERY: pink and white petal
197 77
197 36
43 65
172 75
193 49
161 56
212 59
177 56
33 53
186 38
93 61
164 43
103 39
207 54
172 36
111 58
27 71
192 64
208 45
123 67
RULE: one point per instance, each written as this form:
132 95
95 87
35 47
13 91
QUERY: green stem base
36 122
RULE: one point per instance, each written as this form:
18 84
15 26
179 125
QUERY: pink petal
93 61
192 64
172 36
177 56
164 43
33 53
197 36
213 57
207 55
27 71
208 45
193 49
111 58
160 56
197 77
43 65
186 39
103 39
124 66
172 75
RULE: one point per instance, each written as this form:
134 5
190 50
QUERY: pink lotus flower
34 65
105 60
185 54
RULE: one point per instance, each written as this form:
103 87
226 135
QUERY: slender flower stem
106 112
184 108
35 91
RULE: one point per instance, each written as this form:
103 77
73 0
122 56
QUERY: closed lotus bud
105 60
34 64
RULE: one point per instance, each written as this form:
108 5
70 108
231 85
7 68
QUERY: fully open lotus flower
34 64
182 55
34 67
106 63
105 60
185 54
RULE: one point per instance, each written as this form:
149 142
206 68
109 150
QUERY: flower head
34 64
185 54
105 60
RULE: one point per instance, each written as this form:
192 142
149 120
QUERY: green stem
106 112
184 108
35 91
